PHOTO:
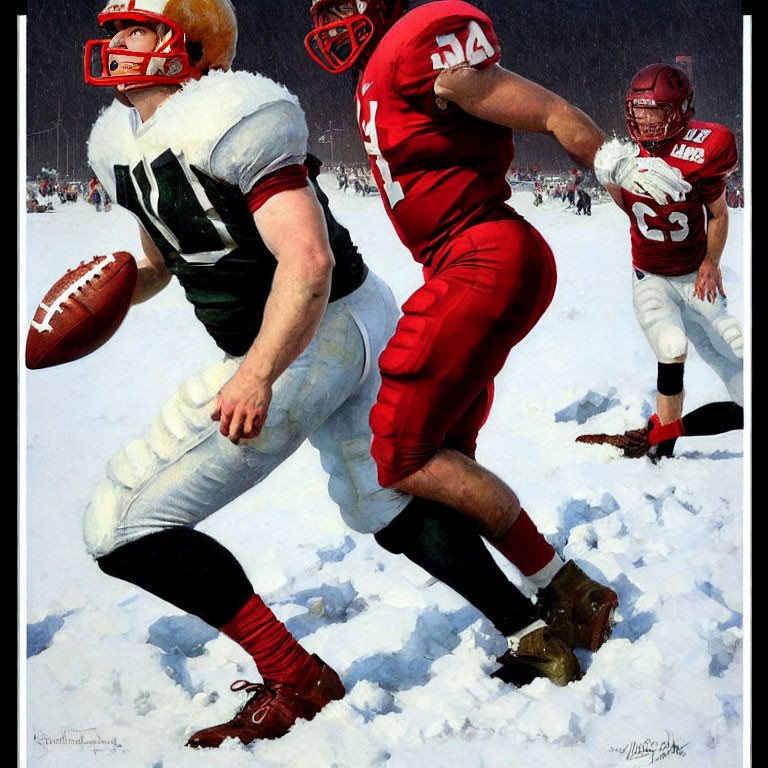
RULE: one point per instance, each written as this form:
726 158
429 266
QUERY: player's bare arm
153 274
615 192
292 226
500 96
710 279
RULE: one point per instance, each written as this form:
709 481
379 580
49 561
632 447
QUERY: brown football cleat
272 709
579 610
540 653
634 443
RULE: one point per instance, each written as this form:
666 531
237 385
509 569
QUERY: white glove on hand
617 162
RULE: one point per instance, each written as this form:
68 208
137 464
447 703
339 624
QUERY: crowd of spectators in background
355 178
573 189
734 191
47 188
577 190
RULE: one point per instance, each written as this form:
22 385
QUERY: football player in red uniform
233 212
436 114
678 291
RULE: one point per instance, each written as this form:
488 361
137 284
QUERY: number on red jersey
641 211
392 188
475 51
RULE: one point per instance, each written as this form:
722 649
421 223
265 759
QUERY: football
82 310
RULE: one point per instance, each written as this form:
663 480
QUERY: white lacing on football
56 308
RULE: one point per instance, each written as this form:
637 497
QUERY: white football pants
184 470
670 316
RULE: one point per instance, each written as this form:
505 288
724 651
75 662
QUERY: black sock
187 569
709 419
665 448
448 546
713 419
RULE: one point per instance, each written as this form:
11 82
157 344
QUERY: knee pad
729 329
101 517
184 421
659 317
671 344
365 505
126 471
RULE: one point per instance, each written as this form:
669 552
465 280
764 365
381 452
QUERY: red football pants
493 283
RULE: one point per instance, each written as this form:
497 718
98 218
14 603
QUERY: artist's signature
652 750
88 738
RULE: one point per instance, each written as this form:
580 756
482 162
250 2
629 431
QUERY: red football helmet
192 37
345 33
664 87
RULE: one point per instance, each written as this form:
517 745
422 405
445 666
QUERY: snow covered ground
115 678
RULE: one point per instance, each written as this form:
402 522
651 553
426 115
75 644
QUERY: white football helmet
193 37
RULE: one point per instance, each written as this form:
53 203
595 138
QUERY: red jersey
672 239
438 169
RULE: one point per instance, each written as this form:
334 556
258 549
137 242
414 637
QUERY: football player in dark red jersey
678 291
436 114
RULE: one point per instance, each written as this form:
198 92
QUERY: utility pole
58 123
327 138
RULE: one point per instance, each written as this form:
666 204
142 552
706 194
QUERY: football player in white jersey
213 165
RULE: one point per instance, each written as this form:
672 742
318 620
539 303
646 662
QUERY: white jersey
230 128
186 174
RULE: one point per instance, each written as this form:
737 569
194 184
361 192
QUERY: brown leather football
82 310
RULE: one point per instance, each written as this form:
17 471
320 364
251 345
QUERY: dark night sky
585 50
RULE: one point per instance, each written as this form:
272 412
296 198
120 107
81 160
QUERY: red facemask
338 42
167 65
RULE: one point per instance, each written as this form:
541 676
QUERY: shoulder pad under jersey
271 138
229 107
440 36
721 154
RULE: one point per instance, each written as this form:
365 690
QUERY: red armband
290 177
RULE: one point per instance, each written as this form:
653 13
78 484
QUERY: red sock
279 658
524 546
661 432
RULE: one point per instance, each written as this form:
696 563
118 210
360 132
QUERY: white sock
542 578
514 640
